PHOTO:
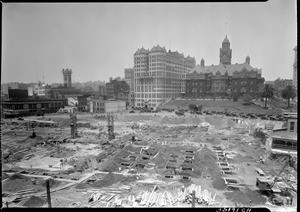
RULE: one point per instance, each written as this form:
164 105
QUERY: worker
291 200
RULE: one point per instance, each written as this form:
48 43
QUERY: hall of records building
159 75
223 79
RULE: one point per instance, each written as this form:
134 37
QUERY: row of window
34 106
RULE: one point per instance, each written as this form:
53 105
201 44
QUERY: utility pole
193 199
48 193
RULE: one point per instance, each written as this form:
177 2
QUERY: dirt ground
169 151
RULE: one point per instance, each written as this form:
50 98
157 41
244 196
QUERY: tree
228 93
289 92
267 92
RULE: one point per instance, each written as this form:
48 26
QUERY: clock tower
225 52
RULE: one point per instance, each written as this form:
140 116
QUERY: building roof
222 68
142 51
158 48
285 135
226 40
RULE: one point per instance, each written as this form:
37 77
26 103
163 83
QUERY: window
292 126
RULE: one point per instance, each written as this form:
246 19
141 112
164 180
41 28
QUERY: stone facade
159 75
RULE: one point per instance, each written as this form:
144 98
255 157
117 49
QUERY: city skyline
97 41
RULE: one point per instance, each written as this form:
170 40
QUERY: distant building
102 90
118 90
284 140
104 106
225 78
67 77
13 85
159 75
32 106
272 83
129 78
17 94
73 101
295 69
83 103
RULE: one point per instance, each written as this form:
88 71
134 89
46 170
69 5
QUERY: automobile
198 112
21 119
179 113
132 111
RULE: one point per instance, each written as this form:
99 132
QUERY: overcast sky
98 40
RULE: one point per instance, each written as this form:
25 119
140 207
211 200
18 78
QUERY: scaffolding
110 126
73 125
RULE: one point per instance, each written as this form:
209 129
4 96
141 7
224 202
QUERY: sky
98 40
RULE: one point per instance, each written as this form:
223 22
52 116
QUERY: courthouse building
159 75
224 79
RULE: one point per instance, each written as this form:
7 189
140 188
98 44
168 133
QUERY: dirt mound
35 201
159 159
17 182
246 197
217 122
207 166
53 183
181 120
110 166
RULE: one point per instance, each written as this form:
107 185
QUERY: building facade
159 75
285 140
225 79
33 106
104 106
118 90
295 83
67 77
129 78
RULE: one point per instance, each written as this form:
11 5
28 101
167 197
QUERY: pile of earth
34 202
246 197
112 178
53 183
17 182
218 122
159 159
182 120
206 165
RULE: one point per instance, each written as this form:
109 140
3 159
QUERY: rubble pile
163 128
158 197
34 202
17 182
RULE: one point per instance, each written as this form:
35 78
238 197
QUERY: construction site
144 159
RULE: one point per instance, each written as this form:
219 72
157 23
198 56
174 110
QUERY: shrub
247 98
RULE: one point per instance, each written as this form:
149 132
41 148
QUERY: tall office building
159 75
